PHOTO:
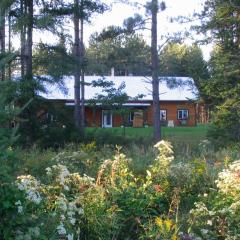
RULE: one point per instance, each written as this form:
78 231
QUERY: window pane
179 114
185 114
108 118
182 114
163 115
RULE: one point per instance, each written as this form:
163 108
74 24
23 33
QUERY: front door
106 119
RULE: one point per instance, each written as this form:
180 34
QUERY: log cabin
177 102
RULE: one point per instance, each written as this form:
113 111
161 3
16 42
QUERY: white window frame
104 112
183 112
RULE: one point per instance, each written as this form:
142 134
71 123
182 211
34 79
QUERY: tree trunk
2 40
9 46
23 41
82 125
26 7
29 41
155 81
77 72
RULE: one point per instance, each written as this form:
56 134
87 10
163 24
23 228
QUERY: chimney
112 72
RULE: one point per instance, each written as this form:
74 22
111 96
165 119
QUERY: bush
217 215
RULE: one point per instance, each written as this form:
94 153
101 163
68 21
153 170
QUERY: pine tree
154 7
2 38
221 19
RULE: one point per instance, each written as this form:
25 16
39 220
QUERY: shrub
52 210
217 215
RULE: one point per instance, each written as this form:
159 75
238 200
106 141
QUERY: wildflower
165 156
209 222
228 180
19 206
70 237
48 170
204 231
61 202
72 221
158 188
61 229
159 222
30 185
80 211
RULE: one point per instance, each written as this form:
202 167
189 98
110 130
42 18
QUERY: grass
186 134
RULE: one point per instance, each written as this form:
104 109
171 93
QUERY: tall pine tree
221 19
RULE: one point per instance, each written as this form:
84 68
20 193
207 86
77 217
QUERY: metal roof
169 88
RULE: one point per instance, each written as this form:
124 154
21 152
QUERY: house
177 105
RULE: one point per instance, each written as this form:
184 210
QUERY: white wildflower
228 180
209 222
31 186
80 211
49 171
62 204
204 231
165 156
18 202
70 237
61 229
72 220
235 207
33 196
19 206
20 209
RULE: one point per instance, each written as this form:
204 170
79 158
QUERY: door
106 119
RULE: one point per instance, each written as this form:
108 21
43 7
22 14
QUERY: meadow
181 188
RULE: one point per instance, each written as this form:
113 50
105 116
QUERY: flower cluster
31 187
165 156
60 171
228 180
218 212
33 232
60 199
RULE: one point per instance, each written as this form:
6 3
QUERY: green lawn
186 134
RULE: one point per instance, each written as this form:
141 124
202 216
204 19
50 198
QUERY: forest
61 179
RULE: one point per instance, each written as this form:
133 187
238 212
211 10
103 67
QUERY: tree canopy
128 54
221 22
184 61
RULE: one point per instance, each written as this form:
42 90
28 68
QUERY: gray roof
170 88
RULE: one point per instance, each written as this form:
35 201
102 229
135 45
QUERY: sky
175 8
120 11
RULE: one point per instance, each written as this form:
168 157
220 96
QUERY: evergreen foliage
220 20
126 53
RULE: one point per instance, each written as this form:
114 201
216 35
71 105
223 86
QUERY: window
182 114
131 117
106 119
163 114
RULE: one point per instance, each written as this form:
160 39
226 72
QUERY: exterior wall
172 110
117 120
171 107
90 122
93 117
